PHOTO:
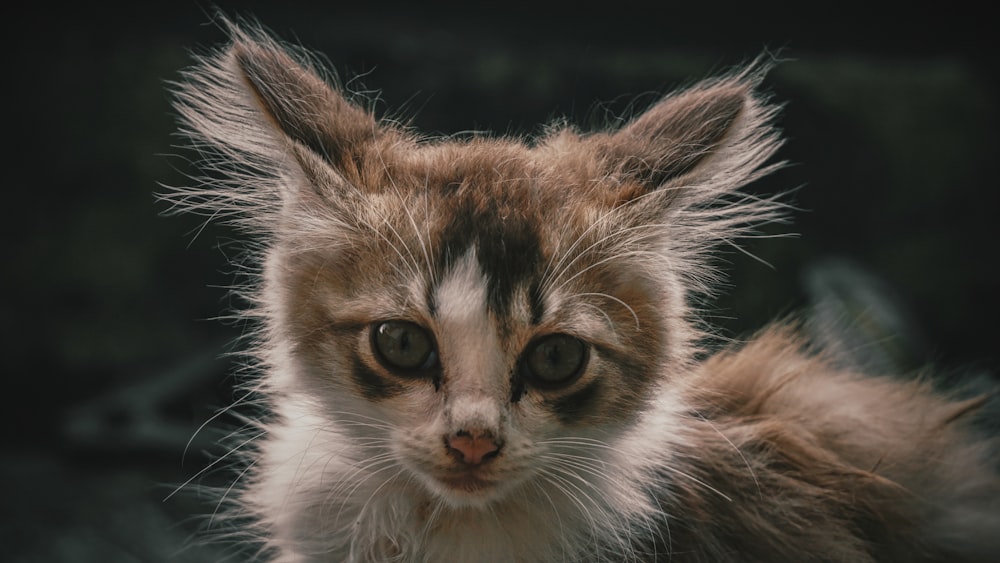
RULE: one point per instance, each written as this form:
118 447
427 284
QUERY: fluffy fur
763 452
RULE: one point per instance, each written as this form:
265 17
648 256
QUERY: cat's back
792 457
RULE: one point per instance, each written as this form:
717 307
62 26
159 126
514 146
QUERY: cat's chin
465 490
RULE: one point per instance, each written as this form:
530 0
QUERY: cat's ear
676 170
273 132
719 128
300 104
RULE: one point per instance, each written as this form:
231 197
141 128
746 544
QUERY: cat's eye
403 346
555 360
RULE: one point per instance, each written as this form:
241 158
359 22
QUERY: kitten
484 350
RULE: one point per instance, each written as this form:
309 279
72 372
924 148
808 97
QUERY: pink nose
473 447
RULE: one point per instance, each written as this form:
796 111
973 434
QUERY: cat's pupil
401 345
556 359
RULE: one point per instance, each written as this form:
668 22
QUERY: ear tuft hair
718 126
249 106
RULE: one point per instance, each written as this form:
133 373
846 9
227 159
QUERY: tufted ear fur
297 101
278 133
715 134
670 178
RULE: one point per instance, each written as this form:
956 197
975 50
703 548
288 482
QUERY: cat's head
478 307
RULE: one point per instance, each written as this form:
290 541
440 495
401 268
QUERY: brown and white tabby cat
485 350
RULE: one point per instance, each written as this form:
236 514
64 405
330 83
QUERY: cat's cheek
410 405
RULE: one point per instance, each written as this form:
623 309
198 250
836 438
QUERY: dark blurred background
112 357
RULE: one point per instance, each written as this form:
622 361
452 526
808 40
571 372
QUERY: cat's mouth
463 488
466 483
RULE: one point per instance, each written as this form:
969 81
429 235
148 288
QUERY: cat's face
482 312
471 315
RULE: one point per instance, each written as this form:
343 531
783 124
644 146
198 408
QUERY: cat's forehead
490 207
495 201
509 252
503 176
527 224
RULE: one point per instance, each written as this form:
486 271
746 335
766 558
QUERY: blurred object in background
860 320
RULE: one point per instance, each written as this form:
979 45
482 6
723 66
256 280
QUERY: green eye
555 360
403 346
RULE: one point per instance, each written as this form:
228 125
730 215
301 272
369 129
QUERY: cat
485 349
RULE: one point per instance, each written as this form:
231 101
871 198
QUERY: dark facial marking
535 303
572 407
507 250
431 298
516 386
373 387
